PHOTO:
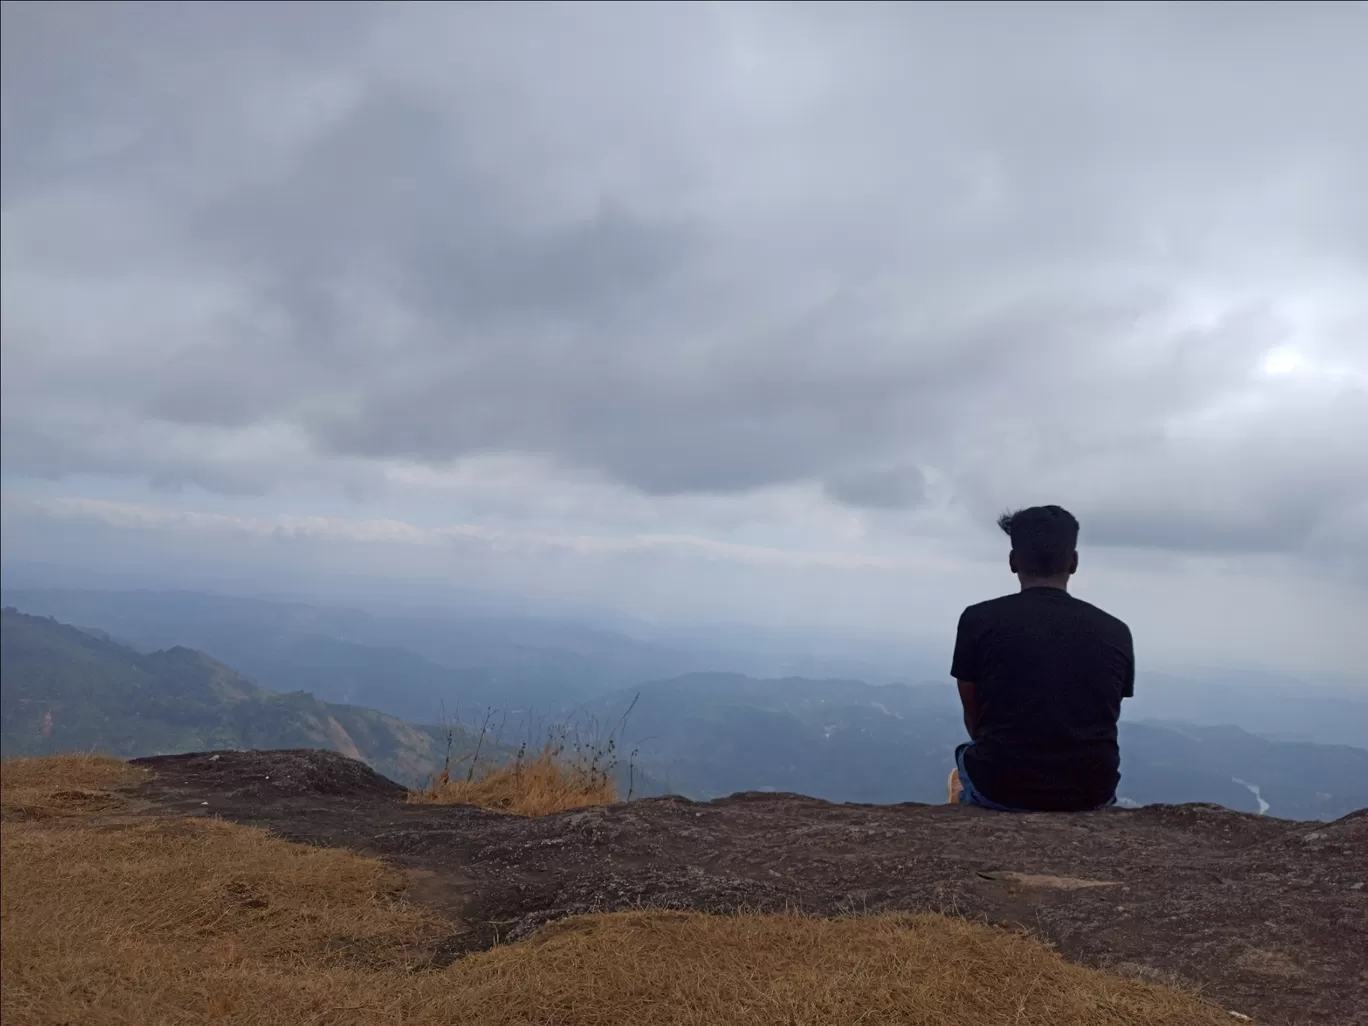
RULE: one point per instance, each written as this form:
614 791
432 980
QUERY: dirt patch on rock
1269 917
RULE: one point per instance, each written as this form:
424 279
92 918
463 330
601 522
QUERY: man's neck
1061 582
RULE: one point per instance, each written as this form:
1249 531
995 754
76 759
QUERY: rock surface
1269 917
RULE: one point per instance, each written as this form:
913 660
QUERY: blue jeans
969 796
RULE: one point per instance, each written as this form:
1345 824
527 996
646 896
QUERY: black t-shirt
1050 672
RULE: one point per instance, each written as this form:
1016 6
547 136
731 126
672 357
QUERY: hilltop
119 914
1268 917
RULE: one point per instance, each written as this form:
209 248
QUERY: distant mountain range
1275 708
418 664
416 667
697 733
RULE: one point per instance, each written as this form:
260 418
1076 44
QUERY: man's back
1049 672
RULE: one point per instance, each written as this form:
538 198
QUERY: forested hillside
67 689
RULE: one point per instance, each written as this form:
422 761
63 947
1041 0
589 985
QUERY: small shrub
550 781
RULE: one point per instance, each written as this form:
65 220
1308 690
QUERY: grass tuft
548 782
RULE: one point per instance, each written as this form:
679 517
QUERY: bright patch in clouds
1283 360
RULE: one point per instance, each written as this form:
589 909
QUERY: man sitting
1041 676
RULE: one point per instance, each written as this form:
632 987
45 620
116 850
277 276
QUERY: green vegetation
67 690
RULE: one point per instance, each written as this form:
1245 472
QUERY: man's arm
1128 651
964 668
968 692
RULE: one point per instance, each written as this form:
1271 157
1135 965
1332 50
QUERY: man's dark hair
1043 537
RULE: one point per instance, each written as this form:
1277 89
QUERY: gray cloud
1032 253
884 488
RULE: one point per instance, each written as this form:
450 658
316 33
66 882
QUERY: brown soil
1268 917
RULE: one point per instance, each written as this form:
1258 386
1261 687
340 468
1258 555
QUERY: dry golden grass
538 786
654 968
63 785
129 921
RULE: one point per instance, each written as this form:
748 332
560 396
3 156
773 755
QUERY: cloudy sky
715 312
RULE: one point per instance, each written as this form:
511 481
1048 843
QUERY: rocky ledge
1267 916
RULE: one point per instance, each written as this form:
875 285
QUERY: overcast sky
752 314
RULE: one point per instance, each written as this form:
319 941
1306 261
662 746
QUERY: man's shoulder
989 608
1102 617
1018 604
